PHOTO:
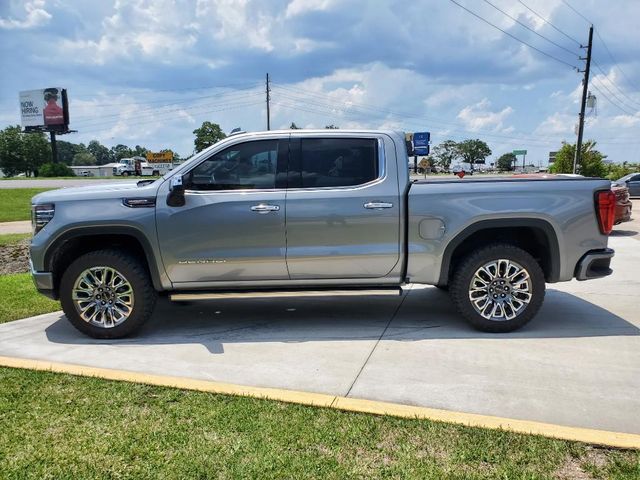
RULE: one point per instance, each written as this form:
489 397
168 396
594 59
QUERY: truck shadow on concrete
422 314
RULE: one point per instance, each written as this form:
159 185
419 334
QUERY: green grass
15 203
60 426
12 238
20 299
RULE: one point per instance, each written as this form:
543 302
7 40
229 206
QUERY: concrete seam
395 313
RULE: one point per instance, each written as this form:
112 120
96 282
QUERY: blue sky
149 72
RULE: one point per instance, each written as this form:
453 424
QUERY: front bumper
594 264
43 282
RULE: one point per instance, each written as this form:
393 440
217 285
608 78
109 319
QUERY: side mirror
176 192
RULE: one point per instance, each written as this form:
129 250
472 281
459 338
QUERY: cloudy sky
149 72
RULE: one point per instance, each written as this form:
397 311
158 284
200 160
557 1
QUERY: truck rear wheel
107 294
498 288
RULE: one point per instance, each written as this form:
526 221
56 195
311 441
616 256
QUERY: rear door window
338 162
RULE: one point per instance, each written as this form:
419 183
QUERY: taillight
605 210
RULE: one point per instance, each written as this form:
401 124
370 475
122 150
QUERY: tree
293 126
473 151
506 162
140 151
22 152
83 158
591 160
67 150
119 152
207 135
445 153
12 159
36 151
99 151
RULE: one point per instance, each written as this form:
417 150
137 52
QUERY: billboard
160 157
46 109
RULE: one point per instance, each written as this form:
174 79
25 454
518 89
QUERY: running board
177 297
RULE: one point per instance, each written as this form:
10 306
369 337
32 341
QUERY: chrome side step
284 294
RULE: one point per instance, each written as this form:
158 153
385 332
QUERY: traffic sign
519 152
421 143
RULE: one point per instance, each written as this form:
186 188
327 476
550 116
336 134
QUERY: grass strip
15 203
13 238
20 299
61 426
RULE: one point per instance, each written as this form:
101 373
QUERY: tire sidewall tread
137 275
459 287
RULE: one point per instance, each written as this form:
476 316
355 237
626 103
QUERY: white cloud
558 123
299 7
36 17
479 116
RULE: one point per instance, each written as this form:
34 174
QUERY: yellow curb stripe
586 435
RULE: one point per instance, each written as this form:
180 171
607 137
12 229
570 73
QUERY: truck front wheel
498 288
107 294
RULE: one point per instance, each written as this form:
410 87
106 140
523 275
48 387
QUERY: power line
529 28
597 87
155 114
152 110
230 107
514 37
384 111
145 92
549 23
328 109
616 63
613 85
576 11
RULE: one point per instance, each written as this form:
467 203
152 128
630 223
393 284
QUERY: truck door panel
343 209
232 227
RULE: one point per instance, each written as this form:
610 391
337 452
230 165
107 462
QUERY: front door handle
263 208
378 205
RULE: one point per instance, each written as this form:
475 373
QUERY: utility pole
268 98
54 147
585 86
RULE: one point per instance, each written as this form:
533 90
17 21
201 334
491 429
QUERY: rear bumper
595 264
43 282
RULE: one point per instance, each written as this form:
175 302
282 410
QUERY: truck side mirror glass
176 192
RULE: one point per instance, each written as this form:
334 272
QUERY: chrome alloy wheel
500 290
103 297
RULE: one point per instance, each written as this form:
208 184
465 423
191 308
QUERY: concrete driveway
577 364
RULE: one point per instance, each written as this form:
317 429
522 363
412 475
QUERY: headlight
41 215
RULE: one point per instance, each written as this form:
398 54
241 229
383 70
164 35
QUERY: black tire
135 273
444 288
125 174
460 287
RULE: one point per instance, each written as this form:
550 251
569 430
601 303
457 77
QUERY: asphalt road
59 183
576 364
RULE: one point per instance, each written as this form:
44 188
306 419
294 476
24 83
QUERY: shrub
55 170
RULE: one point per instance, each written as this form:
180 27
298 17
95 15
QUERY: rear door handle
262 208
378 205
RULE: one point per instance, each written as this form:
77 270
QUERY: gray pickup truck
315 213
